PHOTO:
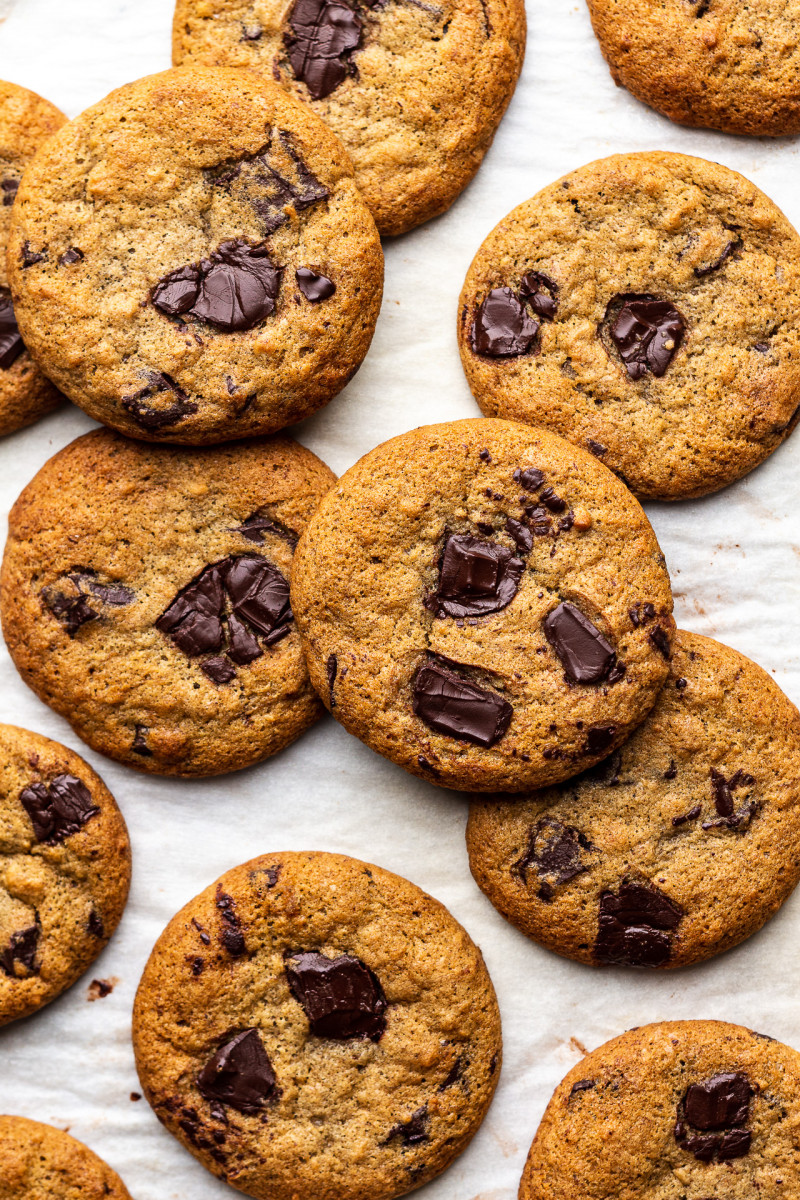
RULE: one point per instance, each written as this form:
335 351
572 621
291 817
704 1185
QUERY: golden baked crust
38 1162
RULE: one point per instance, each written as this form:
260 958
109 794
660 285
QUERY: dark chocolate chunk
218 670
485 456
331 667
11 344
732 248
413 1131
583 1085
243 645
95 925
110 593
233 941
475 578
324 34
259 593
550 500
641 613
556 852
139 744
457 707
8 190
597 448
59 808
71 256
271 193
72 611
71 600
503 327
635 926
341 997
194 618
313 286
599 738
18 958
151 417
720 1108
585 654
523 538
455 1073
646 332
530 480
256 526
239 1074
540 293
234 289
659 638
30 256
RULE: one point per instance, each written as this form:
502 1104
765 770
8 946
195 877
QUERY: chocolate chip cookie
414 90
38 1162
145 597
65 866
314 1025
646 307
26 120
191 261
712 63
679 845
679 1110
465 598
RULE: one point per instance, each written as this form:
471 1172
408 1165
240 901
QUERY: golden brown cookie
647 307
26 120
713 63
38 1162
465 597
145 597
677 847
314 1025
414 90
679 1110
65 867
191 261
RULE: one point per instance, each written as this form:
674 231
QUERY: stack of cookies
196 263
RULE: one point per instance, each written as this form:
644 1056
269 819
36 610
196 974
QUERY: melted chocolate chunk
95 925
597 448
71 601
71 256
331 668
324 34
152 417
720 1108
256 526
725 802
659 638
556 852
457 707
455 1073
239 1075
523 538
58 809
583 1085
503 327
18 958
635 926
585 654
530 480
139 744
31 257
412 1132
11 344
732 248
341 997
234 289
599 738
219 670
8 189
540 293
475 578
271 193
646 332
313 286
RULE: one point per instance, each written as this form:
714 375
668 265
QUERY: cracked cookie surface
645 307
145 597
464 596
678 846
157 257
38 1162
312 1023
64 870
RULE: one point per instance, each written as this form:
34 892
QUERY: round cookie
646 307
38 1162
191 261
465 598
415 91
145 597
314 1025
677 847
679 1110
722 65
65 868
26 120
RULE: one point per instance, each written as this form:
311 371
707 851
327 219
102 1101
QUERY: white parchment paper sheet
735 564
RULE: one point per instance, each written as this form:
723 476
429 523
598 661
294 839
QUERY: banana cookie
647 307
38 1162
65 866
467 598
414 90
679 845
314 1025
26 120
191 261
145 597
679 1110
713 63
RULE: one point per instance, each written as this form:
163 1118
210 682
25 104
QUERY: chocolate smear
341 997
323 35
256 526
539 291
234 289
475 578
239 1074
274 194
556 852
503 327
412 1132
635 926
457 707
587 657
58 809
152 417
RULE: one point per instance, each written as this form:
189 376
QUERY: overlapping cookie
38 1162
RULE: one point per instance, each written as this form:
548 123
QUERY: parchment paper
735 564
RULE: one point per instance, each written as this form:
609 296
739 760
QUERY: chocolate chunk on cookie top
294 1069
182 619
415 91
38 1162
64 870
676 1109
646 308
244 291
676 846
464 598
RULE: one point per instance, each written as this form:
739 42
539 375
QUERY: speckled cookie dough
191 261
415 90
38 1162
145 597
647 307
312 1024
465 597
682 1110
65 866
